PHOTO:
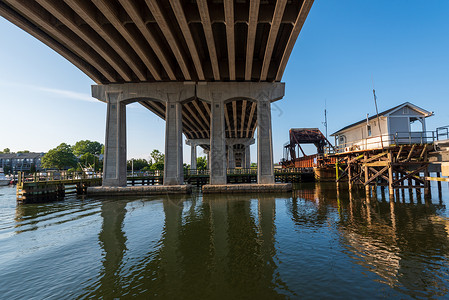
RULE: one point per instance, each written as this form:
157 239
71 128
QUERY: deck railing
442 133
386 140
56 176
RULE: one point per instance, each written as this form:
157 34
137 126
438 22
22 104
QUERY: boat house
391 127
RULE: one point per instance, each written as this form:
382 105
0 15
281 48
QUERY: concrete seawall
247 188
139 190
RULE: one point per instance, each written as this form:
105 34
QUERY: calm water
312 243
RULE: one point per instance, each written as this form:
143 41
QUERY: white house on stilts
392 127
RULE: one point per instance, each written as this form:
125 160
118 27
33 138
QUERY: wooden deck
34 188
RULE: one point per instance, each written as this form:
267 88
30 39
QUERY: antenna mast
378 119
325 117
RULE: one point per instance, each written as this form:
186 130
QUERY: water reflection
405 244
233 246
112 241
220 247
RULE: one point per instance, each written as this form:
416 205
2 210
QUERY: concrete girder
301 18
181 18
64 15
171 40
106 8
207 27
252 27
200 111
234 117
153 40
242 126
87 13
42 18
133 11
229 20
276 22
27 26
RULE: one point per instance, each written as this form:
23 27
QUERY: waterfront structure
13 162
392 126
210 69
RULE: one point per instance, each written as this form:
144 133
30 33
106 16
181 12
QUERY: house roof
387 113
30 155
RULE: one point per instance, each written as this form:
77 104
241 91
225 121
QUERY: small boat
3 179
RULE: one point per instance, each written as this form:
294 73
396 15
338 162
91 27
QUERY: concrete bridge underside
210 69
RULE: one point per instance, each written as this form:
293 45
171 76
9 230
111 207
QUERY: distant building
14 162
395 127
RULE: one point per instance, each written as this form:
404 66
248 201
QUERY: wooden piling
390 173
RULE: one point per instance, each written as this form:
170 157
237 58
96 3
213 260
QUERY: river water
316 242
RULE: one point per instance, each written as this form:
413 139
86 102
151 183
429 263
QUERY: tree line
86 153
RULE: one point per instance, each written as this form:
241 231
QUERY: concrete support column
247 157
207 158
265 172
173 169
114 163
193 157
231 157
217 141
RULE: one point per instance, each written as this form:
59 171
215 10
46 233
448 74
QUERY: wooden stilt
439 182
349 175
365 169
390 174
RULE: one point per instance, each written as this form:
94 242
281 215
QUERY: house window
368 127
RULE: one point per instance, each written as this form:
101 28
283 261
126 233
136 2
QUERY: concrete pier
114 164
170 100
217 141
265 171
173 168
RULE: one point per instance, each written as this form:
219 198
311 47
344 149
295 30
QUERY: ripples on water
316 242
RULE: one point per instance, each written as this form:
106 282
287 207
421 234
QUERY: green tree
158 160
6 150
61 157
157 166
24 151
139 164
201 163
88 159
86 146
253 166
157 156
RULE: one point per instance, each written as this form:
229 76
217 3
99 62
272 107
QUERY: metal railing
386 140
442 133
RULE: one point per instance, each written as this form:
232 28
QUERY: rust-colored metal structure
293 149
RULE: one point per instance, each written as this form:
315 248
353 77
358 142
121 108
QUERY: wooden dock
34 188
395 166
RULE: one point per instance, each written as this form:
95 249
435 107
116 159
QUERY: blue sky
403 45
